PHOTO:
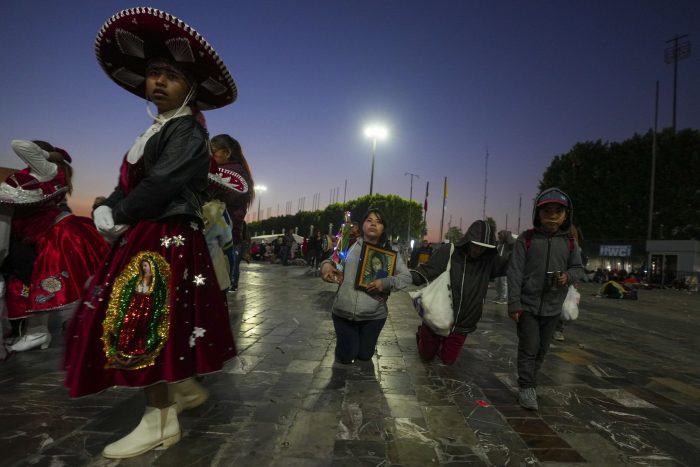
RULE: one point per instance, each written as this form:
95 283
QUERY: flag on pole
444 195
425 204
444 202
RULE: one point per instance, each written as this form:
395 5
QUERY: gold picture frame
375 263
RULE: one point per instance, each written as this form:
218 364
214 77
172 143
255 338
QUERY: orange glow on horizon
80 206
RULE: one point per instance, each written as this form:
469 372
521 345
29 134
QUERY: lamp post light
375 132
258 191
410 200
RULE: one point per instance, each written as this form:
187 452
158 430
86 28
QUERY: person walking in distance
504 248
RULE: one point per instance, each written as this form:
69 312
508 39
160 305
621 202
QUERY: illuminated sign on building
615 250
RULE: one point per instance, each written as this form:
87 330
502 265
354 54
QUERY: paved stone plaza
622 389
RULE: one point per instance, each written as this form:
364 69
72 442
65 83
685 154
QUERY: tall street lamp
258 192
375 132
410 200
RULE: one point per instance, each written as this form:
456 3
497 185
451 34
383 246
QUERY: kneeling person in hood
473 264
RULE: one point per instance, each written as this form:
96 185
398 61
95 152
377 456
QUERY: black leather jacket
176 162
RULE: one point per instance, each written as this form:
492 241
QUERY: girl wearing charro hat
157 337
51 253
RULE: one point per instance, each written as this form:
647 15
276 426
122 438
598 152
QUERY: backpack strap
528 238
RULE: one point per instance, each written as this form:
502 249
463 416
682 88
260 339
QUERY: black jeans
534 336
356 339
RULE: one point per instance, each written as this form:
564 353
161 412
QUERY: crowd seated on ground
620 275
687 283
277 248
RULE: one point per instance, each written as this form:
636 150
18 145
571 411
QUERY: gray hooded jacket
357 305
528 287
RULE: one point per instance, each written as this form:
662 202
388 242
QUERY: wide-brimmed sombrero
131 38
22 189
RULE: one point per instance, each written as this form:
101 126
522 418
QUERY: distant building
673 259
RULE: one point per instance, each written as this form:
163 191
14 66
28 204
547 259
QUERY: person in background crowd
421 255
504 248
234 169
314 252
287 243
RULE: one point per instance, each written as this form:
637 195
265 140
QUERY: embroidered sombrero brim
229 180
131 38
31 199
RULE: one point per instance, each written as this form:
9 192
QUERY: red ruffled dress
68 250
153 313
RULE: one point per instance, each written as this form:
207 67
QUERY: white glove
102 217
114 233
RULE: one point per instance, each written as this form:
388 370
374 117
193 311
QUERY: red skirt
153 313
68 253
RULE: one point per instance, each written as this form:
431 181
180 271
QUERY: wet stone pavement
622 389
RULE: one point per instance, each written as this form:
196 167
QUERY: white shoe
158 427
558 336
32 341
187 394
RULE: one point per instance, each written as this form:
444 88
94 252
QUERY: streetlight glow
379 132
259 189
375 132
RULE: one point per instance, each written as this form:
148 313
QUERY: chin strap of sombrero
190 97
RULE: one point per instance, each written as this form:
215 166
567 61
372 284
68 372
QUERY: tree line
396 210
610 183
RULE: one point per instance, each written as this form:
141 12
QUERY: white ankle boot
187 394
32 341
158 427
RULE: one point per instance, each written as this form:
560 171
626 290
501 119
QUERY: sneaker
528 398
558 336
500 302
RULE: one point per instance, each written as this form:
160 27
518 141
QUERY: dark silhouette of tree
453 234
609 184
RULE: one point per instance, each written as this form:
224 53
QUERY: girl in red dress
52 253
156 332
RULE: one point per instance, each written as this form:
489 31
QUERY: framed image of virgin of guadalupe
375 263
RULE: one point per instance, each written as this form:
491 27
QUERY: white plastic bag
569 310
434 302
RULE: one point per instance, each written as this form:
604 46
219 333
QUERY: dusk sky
525 80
